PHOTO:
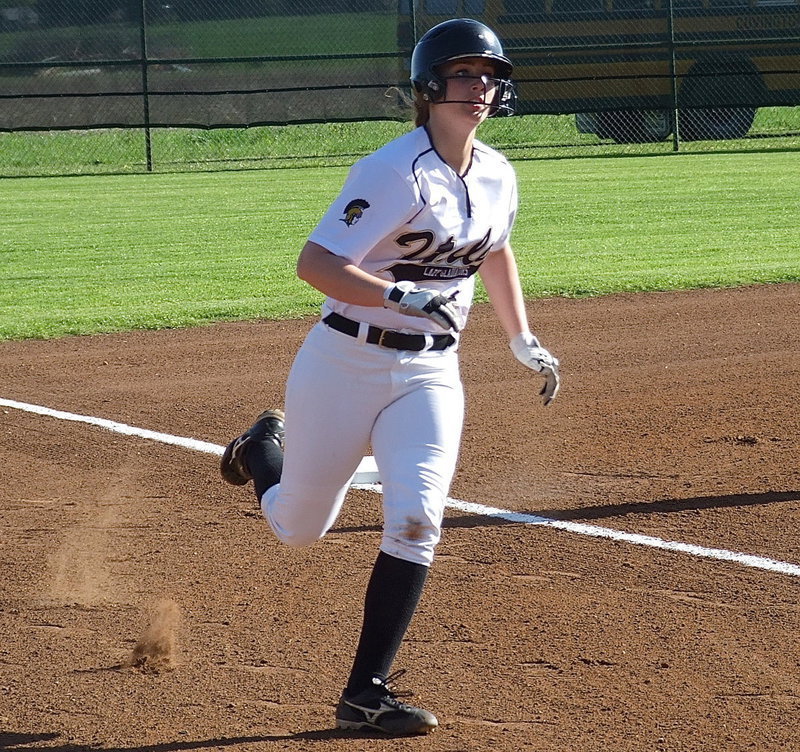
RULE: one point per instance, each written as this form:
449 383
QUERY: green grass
683 221
109 253
107 151
123 150
322 34
338 33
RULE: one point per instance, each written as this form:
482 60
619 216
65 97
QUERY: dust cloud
156 649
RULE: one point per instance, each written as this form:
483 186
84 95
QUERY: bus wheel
716 123
634 126
715 100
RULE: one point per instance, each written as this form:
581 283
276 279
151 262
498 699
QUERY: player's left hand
530 353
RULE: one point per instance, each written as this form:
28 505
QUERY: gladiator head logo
353 211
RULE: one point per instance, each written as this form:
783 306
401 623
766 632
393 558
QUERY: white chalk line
721 554
112 425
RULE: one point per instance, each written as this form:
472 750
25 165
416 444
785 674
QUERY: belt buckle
383 333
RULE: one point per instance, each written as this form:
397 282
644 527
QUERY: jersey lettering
442 262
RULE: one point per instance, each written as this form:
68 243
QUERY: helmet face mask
459 39
502 102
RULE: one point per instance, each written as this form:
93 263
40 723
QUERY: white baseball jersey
405 214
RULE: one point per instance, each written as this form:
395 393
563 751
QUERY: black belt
389 338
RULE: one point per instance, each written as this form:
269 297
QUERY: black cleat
268 427
377 708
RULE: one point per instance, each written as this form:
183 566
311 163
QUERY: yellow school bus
627 67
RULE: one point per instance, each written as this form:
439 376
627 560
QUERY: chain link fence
137 85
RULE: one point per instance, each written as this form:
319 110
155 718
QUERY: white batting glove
530 353
404 297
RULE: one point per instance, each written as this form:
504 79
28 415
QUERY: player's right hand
404 297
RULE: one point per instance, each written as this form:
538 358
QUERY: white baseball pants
343 395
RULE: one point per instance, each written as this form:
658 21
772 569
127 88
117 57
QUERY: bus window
514 7
633 4
474 8
577 6
441 7
469 8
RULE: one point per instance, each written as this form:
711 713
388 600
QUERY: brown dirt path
677 419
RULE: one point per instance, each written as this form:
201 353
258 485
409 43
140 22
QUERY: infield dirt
146 606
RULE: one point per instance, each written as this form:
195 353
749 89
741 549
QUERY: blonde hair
422 109
414 101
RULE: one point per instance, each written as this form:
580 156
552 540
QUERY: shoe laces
388 684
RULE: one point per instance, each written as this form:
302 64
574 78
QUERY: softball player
396 254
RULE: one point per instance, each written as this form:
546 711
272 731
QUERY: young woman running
396 254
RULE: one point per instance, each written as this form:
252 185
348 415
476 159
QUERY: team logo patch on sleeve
354 211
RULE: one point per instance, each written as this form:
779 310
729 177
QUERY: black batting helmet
453 40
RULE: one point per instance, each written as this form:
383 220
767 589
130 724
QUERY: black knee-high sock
265 462
392 596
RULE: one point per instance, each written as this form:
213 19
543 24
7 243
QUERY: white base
367 472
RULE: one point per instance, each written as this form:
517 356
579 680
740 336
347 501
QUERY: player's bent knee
291 521
293 537
295 540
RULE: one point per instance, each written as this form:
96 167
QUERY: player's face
470 85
